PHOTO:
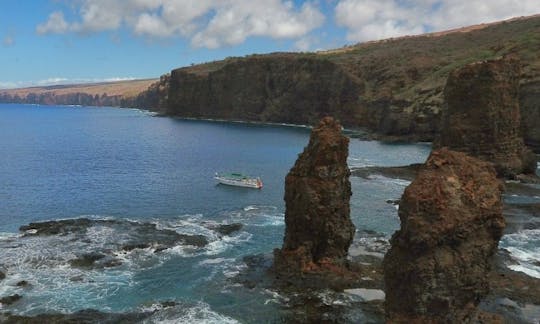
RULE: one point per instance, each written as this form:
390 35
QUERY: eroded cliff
482 115
285 88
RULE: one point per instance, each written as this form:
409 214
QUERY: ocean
134 176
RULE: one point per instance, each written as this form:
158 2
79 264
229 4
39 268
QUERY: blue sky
62 41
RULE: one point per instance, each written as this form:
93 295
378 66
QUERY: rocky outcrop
482 116
285 88
318 229
451 221
529 103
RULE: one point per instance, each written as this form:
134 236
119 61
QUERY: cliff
275 88
132 93
318 227
392 87
436 270
482 116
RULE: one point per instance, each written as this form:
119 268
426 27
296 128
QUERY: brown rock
451 221
319 229
482 116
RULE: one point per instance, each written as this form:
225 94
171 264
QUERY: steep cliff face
451 222
318 229
482 116
529 103
393 87
277 88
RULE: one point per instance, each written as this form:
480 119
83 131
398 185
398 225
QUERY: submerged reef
451 221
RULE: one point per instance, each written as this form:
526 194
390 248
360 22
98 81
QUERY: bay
131 167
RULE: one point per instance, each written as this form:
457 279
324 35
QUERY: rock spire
319 229
436 270
482 115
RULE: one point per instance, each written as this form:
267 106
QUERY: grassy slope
126 89
415 68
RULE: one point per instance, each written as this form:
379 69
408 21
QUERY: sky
46 42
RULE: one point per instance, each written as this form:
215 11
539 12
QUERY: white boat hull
246 183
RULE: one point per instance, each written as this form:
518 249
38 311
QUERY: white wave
234 270
226 242
250 207
215 261
228 267
275 297
524 247
6 236
528 270
354 162
331 298
383 179
199 313
258 216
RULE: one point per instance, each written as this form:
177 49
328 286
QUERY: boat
239 180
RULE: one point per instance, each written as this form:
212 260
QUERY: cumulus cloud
378 19
8 41
206 23
56 24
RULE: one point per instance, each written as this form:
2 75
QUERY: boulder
451 221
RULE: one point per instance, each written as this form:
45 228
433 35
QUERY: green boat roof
234 175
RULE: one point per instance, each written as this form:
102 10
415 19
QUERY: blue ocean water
127 165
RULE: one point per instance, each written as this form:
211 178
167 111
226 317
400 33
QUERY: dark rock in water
227 229
141 235
86 260
309 304
22 283
10 299
194 240
61 227
95 260
2 275
394 202
451 221
482 116
318 229
87 316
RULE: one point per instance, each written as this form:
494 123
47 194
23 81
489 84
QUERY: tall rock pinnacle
482 116
436 270
319 229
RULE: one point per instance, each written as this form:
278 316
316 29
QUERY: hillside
392 87
398 83
121 93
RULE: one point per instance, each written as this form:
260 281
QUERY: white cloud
8 41
240 19
378 19
206 23
56 24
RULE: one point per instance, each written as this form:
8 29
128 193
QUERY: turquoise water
129 166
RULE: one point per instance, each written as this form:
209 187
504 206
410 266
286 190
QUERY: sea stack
482 116
436 270
318 229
